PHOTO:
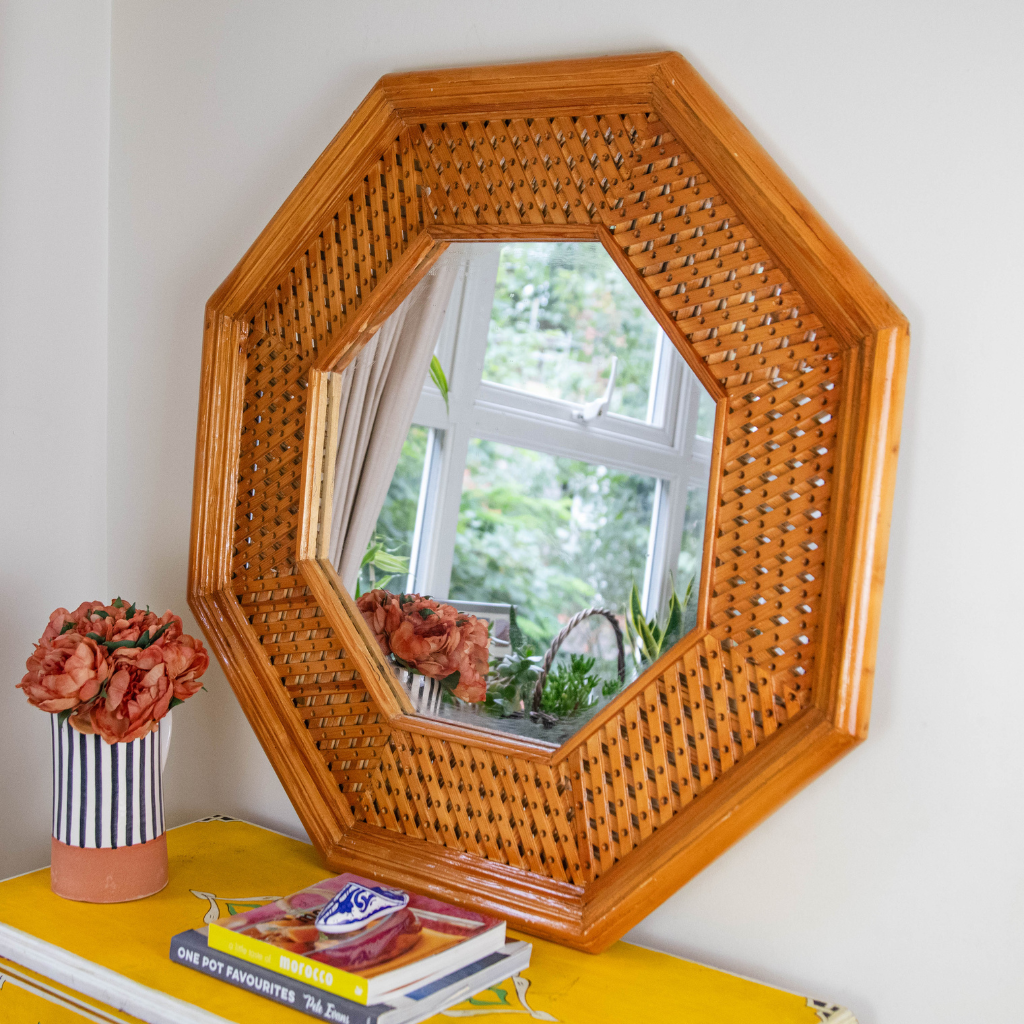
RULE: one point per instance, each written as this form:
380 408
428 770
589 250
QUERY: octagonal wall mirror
534 341
522 445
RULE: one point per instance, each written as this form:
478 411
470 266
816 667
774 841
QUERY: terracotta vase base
108 876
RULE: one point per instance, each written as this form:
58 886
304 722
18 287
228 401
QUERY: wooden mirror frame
806 358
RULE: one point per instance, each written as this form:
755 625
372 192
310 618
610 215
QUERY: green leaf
143 640
384 566
439 379
63 716
66 627
650 645
100 612
636 612
452 680
675 621
391 563
117 603
175 701
113 645
96 637
131 611
515 635
156 636
631 636
425 613
610 687
570 687
371 553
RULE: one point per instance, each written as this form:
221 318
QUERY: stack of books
353 951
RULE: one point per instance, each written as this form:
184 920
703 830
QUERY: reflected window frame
669 449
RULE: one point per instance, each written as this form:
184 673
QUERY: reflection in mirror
521 442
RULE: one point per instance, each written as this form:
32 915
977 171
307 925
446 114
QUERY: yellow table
62 962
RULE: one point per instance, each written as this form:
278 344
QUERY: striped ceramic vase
108 840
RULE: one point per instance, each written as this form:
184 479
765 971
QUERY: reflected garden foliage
549 535
559 315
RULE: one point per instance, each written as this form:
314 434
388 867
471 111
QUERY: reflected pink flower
382 614
432 637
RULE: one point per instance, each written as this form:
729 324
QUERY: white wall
893 883
54 127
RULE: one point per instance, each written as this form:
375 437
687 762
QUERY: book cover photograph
357 938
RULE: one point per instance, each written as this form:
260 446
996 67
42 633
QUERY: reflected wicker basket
549 657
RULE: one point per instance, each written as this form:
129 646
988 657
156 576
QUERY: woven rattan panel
472 800
715 698
324 687
270 459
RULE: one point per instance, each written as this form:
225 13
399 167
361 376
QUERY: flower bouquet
431 638
109 674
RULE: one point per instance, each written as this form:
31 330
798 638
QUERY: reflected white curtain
379 390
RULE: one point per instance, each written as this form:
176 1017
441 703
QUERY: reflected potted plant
523 684
649 639
382 560
513 676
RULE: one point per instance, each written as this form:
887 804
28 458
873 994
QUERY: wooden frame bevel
597 892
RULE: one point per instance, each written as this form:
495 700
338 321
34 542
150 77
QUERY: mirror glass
515 486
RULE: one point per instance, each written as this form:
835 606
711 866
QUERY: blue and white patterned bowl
357 905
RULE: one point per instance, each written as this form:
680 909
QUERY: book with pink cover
419 941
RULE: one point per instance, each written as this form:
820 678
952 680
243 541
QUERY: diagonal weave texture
708 705
648 767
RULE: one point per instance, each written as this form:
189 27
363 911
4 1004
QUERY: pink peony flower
473 660
79 619
186 660
427 636
138 696
64 671
432 637
382 613
87 663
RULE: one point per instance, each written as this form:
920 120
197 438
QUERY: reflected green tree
560 313
550 535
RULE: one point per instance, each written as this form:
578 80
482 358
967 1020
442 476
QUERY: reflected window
557 461
705 415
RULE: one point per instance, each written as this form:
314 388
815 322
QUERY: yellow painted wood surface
219 867
27 997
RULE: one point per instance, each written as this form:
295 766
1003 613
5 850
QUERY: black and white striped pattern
106 795
424 692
